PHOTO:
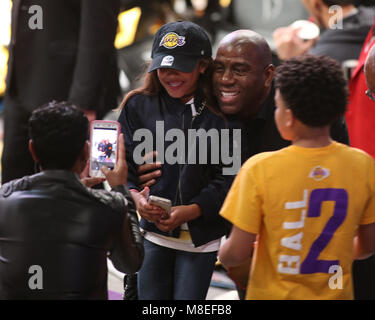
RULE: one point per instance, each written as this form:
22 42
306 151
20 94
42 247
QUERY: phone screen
103 148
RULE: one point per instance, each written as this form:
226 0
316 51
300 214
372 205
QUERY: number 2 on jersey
311 264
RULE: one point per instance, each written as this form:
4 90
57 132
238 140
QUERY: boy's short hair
314 88
59 131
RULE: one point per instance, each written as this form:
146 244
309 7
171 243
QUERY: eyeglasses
370 94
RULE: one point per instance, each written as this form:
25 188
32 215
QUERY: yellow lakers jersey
305 204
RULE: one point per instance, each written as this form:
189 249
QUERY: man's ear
290 118
317 3
81 162
269 72
318 6
32 151
86 151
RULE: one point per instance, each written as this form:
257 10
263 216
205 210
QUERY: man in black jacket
51 224
60 50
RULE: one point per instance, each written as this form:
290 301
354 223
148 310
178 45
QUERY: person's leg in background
364 279
193 273
155 278
16 160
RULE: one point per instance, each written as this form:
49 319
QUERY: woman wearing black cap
180 248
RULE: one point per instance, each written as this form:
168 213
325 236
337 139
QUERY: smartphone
103 145
163 203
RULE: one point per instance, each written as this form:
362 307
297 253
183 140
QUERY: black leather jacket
52 221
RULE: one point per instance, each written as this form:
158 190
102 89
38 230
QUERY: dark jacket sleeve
128 253
212 196
96 52
213 193
210 225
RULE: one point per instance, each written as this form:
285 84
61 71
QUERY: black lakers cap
179 45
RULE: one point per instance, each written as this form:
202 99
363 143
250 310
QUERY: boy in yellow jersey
307 203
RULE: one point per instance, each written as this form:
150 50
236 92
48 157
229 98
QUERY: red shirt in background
360 115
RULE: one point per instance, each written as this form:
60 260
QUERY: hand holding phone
117 176
160 202
145 209
103 147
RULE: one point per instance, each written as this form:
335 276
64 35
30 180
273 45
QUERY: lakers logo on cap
172 40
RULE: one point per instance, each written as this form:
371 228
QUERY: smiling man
243 61
243 86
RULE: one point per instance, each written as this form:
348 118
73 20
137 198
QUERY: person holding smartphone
180 249
63 229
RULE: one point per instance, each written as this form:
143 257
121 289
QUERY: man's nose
227 76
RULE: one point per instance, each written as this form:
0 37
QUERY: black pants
16 159
364 279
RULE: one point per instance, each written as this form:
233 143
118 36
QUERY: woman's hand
147 211
179 215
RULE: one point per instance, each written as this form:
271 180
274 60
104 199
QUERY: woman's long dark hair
152 87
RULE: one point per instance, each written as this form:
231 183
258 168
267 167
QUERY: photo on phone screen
104 136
